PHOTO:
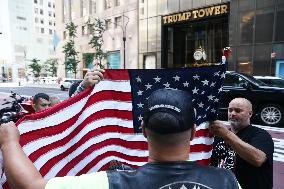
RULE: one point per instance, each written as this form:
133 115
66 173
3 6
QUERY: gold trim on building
215 10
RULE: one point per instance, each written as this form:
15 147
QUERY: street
31 91
276 133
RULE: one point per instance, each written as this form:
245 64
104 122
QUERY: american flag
84 133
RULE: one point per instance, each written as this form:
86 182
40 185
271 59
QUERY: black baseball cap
172 110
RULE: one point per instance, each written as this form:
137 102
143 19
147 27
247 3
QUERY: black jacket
174 175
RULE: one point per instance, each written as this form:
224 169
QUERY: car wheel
271 115
62 88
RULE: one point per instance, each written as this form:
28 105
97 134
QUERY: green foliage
97 29
88 59
71 55
51 66
35 66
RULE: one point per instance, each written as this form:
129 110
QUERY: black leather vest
174 175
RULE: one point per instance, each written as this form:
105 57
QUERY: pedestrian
41 101
246 149
168 125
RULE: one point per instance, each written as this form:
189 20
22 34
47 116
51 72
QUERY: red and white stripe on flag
84 133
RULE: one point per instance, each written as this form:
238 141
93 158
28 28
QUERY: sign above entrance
215 10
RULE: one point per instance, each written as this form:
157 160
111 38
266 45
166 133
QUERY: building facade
171 31
27 32
120 37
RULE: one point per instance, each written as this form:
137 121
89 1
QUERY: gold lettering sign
196 14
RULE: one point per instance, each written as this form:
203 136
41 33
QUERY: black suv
267 101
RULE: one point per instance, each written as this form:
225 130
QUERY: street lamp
123 28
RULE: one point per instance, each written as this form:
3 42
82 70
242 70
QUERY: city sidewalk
25 84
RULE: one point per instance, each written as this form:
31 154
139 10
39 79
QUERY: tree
35 66
88 60
51 66
97 28
71 55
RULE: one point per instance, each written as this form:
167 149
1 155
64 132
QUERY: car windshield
251 78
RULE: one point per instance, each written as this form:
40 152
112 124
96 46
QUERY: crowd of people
242 155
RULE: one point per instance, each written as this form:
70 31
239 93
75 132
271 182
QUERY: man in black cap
168 125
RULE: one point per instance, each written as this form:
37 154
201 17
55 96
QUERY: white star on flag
157 79
220 89
213 110
138 79
223 75
195 91
140 118
205 82
216 100
148 86
140 105
210 97
212 84
176 78
196 77
200 105
167 85
139 93
185 84
216 73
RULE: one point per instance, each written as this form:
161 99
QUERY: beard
235 124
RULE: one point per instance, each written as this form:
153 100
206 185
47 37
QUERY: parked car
267 101
271 80
66 83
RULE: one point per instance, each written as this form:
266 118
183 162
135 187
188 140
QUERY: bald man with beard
245 149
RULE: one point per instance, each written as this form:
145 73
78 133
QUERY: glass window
84 30
264 25
262 60
49 4
35 1
36 10
36 20
83 8
50 23
143 36
246 4
233 80
244 59
42 30
107 4
246 27
92 6
279 24
117 2
41 21
64 34
50 31
117 22
152 8
279 49
108 24
41 11
264 3
143 10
